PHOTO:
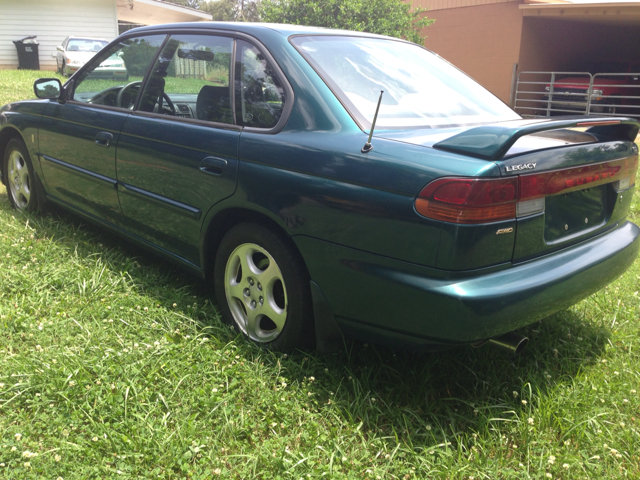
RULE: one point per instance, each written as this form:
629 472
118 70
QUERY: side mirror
47 88
60 49
120 53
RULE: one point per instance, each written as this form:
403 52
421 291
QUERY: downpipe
509 342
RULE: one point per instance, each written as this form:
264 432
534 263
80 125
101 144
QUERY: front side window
420 89
115 75
260 97
191 79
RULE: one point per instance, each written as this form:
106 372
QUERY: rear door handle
103 139
213 165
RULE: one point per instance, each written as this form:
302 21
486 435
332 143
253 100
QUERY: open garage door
579 59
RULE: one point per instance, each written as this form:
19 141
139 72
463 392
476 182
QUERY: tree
188 3
233 10
386 17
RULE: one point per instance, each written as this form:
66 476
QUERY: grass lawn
115 365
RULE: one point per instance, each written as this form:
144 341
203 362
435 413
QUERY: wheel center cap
17 182
254 295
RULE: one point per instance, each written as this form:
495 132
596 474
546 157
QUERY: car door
78 138
178 151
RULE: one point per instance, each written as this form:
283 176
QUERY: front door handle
213 165
103 139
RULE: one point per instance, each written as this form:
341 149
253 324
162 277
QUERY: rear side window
259 95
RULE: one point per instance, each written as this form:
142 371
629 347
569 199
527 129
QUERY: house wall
482 40
52 21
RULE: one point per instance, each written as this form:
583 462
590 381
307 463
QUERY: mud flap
328 334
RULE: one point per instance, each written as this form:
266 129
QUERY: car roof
253 28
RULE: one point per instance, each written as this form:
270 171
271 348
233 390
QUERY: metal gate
546 94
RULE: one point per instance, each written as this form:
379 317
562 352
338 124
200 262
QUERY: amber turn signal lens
456 214
469 200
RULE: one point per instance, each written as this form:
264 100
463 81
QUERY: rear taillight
469 200
563 181
478 200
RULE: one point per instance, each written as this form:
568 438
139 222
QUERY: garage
545 57
590 56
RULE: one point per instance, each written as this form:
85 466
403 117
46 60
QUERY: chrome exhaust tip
509 342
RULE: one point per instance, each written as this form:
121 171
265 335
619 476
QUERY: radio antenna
367 146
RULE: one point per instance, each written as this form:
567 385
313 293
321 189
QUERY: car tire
262 288
23 188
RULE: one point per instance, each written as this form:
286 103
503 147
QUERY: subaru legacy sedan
331 183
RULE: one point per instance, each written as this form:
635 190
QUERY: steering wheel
121 96
170 105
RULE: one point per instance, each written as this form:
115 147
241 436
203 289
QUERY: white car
76 51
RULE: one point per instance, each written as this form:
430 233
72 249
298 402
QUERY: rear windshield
420 89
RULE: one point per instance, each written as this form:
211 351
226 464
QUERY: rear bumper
380 299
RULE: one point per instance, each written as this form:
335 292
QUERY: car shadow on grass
162 283
428 399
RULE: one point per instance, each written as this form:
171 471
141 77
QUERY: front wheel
262 288
20 178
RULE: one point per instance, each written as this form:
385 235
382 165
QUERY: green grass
115 365
18 84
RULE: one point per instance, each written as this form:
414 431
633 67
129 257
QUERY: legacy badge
524 166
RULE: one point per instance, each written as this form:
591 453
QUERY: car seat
214 104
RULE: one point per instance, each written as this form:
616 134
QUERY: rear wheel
262 288
20 178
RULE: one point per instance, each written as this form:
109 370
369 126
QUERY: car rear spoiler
492 142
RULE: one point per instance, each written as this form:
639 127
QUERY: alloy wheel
19 180
256 292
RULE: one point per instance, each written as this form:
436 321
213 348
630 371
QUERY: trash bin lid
30 39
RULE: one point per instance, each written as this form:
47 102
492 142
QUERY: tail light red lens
563 181
485 200
469 200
